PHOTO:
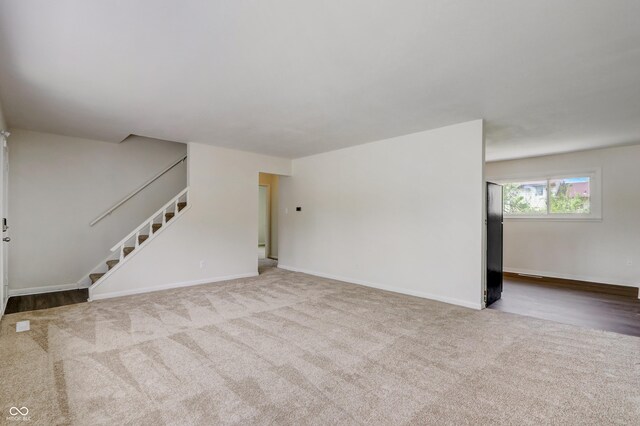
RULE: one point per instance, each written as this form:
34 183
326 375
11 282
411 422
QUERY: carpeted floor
288 348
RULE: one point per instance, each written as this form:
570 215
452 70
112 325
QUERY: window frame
595 196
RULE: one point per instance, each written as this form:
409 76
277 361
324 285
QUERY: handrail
149 219
131 195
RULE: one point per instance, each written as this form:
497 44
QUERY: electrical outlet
23 326
203 264
629 262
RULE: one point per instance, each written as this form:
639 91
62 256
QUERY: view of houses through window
559 196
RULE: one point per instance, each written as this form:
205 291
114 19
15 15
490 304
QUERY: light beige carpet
288 348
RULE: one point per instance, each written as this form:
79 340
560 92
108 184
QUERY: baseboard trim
583 278
405 291
130 292
578 284
44 289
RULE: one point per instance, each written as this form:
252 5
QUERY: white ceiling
293 78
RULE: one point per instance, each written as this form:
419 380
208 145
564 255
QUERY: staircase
137 239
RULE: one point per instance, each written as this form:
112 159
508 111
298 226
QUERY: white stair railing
132 240
136 191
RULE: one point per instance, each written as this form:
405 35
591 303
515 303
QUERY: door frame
4 212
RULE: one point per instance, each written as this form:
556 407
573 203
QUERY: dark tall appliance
494 243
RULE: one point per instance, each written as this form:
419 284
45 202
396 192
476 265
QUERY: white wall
404 214
59 184
598 251
219 231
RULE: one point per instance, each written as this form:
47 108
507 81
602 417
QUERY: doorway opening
593 305
267 222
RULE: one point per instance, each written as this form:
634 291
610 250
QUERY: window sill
554 218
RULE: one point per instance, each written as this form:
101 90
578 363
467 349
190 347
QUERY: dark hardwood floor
620 314
33 302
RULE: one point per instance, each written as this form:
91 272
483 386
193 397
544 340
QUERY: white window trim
595 197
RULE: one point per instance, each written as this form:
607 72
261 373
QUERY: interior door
4 246
494 242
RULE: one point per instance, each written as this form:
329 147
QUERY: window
570 196
567 197
528 198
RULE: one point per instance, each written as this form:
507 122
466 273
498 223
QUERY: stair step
112 263
176 207
95 277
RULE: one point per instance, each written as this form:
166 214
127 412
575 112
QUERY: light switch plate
23 326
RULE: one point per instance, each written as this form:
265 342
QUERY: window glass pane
525 198
570 195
